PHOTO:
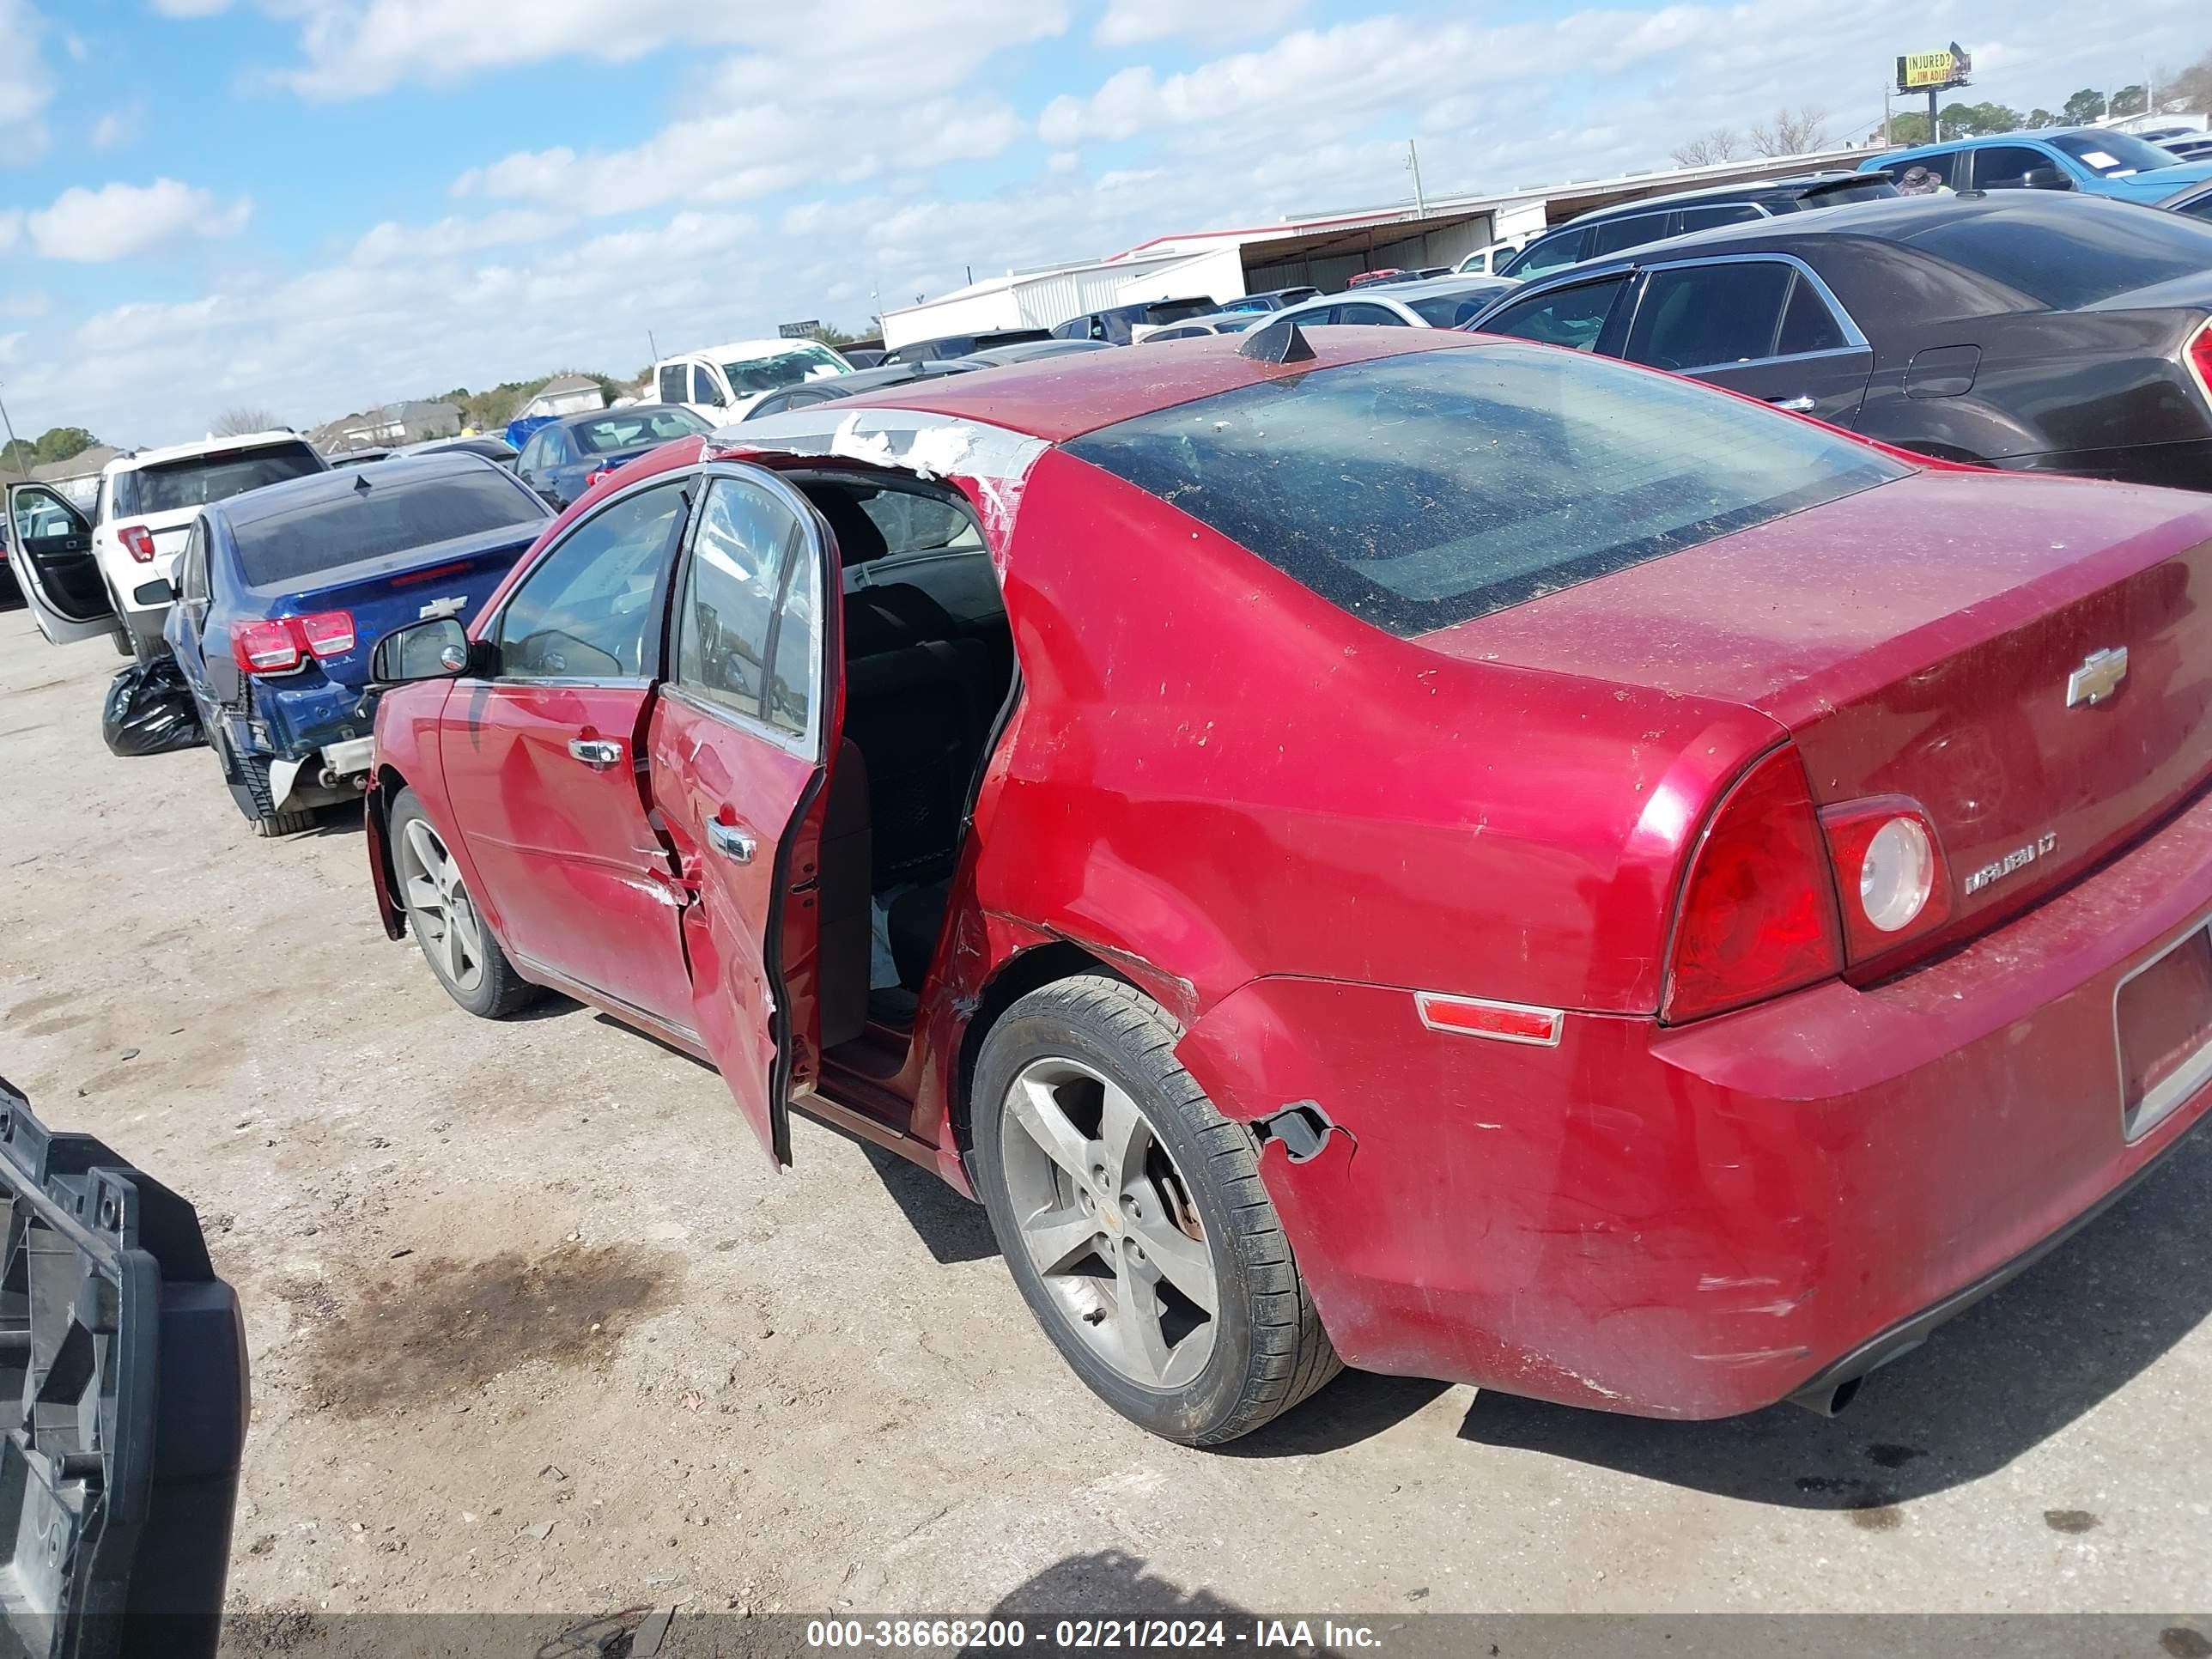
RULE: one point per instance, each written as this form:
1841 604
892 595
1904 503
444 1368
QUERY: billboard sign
797 331
1934 71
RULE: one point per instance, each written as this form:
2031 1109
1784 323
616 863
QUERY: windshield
626 428
180 486
2076 256
1418 490
2114 154
806 362
358 525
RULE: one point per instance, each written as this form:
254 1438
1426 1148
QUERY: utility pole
1413 160
22 457
1885 115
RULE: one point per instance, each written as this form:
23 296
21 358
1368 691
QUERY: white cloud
117 128
25 88
190 7
390 243
11 229
116 220
1133 22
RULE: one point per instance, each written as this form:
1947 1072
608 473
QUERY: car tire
247 777
455 939
1087 1065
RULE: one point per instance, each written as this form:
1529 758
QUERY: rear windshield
180 486
375 523
2064 260
626 427
1419 490
1173 311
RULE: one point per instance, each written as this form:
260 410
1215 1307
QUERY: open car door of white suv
50 550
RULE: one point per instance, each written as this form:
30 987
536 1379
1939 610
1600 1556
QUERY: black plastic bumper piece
119 1471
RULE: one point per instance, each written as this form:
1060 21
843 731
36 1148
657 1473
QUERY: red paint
1282 823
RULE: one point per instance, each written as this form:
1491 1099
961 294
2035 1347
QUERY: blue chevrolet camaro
282 594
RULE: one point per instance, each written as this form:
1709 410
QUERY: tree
2083 107
1908 128
1975 120
1791 135
2192 87
2039 117
829 335
2130 100
247 418
60 443
1721 144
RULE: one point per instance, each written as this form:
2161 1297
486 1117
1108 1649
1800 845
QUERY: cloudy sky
317 205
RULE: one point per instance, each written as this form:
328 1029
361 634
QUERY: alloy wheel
445 919
1108 1221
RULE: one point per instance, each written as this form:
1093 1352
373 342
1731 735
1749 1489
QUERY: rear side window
180 486
1704 316
1451 310
1418 490
1547 253
1632 232
359 525
675 384
2067 260
1723 213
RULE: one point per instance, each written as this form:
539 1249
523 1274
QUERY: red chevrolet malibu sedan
1434 853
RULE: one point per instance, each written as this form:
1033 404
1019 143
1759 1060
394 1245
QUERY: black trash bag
150 711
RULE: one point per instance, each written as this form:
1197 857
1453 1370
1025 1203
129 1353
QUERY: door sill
680 1035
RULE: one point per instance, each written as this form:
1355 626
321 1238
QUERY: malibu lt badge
2098 677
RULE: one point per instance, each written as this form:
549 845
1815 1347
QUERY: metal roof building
1324 250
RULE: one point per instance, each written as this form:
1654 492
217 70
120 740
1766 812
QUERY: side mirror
437 649
2045 179
157 592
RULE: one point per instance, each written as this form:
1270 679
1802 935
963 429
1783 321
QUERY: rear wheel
1132 1215
246 777
455 941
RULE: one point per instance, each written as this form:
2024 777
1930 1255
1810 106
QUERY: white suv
148 499
720 383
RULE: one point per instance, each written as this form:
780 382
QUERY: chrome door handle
1800 404
733 843
598 753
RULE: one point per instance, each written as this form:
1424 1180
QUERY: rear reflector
1505 1022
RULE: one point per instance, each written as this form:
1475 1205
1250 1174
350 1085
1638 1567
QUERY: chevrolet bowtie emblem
2098 677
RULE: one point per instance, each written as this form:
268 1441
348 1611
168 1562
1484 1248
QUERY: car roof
586 416
1742 192
739 351
294 492
2022 136
1057 399
139 458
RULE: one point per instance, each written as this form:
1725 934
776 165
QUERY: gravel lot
497 1277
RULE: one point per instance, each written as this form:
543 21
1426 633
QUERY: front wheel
455 941
1132 1215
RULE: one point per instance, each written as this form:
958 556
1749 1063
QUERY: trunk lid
453 578
1938 638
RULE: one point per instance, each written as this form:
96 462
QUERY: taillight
2200 359
1890 874
596 474
138 541
328 633
266 647
281 644
1759 907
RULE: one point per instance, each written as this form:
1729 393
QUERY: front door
1757 326
749 709
50 550
543 763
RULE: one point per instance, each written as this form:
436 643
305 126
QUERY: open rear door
750 706
126 1357
50 550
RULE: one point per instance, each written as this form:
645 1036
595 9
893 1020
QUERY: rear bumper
1700 1221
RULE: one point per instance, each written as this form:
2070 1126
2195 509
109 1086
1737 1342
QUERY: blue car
2095 161
283 592
560 459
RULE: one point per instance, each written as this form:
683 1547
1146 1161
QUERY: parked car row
1479 857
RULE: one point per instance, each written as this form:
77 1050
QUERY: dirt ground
535 1327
